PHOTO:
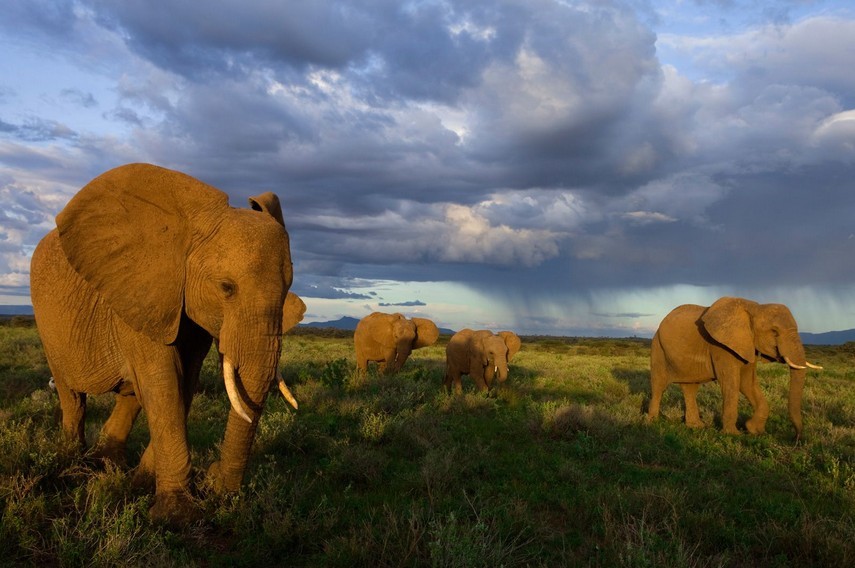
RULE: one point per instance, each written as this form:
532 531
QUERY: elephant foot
174 508
691 423
755 425
733 430
108 452
143 477
221 482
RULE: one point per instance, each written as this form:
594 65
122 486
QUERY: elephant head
169 256
749 329
390 338
494 352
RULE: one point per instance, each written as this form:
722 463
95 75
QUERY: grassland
557 469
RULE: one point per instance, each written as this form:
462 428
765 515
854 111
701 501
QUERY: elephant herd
388 340
148 267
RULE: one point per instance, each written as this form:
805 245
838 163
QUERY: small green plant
335 373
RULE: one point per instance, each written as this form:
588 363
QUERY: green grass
556 469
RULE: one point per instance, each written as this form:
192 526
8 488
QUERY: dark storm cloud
325 287
35 129
40 18
408 304
237 34
524 148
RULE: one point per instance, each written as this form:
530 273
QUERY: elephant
481 355
388 339
723 342
145 268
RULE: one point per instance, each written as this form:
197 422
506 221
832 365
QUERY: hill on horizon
349 324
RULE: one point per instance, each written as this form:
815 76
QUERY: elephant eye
228 287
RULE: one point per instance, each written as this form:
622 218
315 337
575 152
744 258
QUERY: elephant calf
696 344
481 355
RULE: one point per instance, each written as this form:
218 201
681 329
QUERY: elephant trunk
248 373
793 353
402 352
502 370
797 385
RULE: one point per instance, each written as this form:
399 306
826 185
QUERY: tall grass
555 468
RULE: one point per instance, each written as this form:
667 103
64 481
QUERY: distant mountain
349 324
16 310
341 323
829 337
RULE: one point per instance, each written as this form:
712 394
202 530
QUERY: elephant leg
193 361
750 387
655 401
114 434
390 364
453 376
158 382
446 380
73 405
478 377
730 407
690 398
658 380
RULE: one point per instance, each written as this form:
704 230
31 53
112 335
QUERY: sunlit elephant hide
480 354
388 340
145 268
723 342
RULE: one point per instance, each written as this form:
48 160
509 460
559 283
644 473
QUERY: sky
552 167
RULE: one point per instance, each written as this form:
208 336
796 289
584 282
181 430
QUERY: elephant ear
128 233
292 311
269 203
729 323
426 333
513 342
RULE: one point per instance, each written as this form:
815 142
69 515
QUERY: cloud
408 304
326 291
647 217
533 152
622 315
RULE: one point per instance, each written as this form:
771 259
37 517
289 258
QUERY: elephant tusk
231 389
793 365
812 366
286 392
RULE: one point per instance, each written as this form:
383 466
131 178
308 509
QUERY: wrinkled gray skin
696 344
480 354
146 267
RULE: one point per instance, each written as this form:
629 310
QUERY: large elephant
145 268
697 344
481 355
388 339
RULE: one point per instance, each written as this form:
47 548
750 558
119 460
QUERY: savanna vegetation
556 469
